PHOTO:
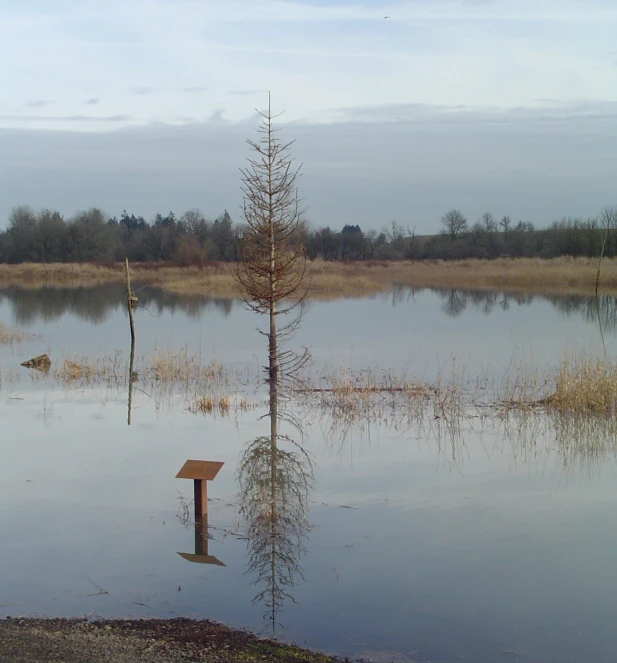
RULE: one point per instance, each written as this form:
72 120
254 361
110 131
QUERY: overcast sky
401 110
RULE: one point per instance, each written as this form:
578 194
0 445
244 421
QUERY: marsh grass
580 384
584 383
83 370
12 335
163 375
223 405
330 280
362 398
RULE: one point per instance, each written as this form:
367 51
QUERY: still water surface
487 543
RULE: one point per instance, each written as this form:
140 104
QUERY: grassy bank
139 641
335 279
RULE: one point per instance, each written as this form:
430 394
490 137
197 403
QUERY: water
428 542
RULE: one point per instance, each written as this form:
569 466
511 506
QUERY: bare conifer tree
272 266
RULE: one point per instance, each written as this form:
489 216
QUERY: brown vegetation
11 335
336 279
585 384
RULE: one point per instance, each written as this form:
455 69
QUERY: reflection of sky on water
471 549
418 331
457 545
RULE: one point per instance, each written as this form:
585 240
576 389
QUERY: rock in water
41 363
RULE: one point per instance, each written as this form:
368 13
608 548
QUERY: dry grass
168 377
208 405
585 384
12 335
371 395
83 370
581 384
39 274
222 405
334 279
169 367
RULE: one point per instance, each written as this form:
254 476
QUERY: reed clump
84 370
209 405
584 383
222 404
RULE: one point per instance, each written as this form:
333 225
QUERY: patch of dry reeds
584 383
12 335
222 405
371 395
163 375
330 280
83 370
31 274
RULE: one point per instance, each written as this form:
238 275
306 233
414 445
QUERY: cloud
67 118
93 101
313 55
411 165
38 103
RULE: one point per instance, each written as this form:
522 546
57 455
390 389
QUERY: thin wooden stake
129 305
129 299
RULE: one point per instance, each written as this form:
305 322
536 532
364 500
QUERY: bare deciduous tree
505 223
608 222
455 224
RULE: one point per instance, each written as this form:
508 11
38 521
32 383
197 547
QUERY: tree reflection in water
95 305
275 475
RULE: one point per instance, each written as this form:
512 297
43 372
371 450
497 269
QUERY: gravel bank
139 641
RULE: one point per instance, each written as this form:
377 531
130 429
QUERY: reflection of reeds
582 441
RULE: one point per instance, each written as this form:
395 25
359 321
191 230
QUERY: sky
400 110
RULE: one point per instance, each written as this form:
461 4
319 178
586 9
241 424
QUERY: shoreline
334 280
64 640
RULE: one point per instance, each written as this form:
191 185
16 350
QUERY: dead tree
272 267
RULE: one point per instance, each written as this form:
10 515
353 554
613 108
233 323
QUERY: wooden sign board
201 559
199 470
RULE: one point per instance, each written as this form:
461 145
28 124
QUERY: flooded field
487 536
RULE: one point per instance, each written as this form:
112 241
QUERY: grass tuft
585 384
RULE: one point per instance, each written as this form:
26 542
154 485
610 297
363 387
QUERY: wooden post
201 536
129 304
129 299
201 498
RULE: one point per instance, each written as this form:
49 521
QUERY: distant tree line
192 239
